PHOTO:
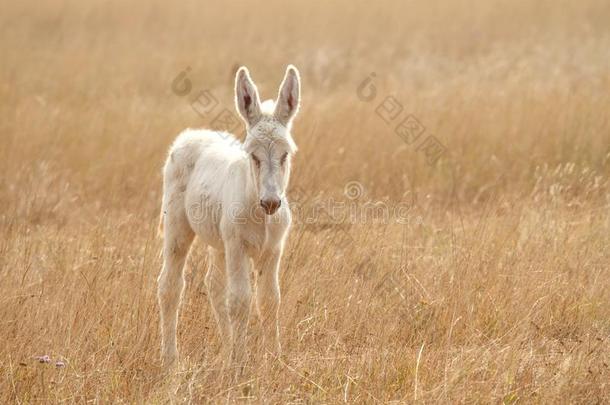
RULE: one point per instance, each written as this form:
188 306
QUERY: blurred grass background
501 284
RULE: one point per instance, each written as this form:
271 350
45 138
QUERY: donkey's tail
160 228
161 215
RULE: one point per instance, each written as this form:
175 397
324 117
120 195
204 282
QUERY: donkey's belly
204 217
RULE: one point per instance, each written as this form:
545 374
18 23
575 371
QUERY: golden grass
497 289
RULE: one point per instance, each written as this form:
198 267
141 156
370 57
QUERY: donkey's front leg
239 295
268 298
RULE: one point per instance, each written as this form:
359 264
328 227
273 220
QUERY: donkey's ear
289 97
246 97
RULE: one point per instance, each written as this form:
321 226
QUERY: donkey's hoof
169 360
247 390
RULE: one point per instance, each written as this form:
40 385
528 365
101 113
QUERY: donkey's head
268 143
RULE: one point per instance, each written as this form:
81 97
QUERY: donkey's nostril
271 205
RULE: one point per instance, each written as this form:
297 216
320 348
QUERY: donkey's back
200 165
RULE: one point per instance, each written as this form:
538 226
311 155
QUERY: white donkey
232 196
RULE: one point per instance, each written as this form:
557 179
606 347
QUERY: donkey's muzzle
271 205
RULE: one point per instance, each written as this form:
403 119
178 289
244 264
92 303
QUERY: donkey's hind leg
216 283
177 239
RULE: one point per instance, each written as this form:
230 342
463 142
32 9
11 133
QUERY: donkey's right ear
246 97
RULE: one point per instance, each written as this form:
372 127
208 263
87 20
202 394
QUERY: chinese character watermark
391 111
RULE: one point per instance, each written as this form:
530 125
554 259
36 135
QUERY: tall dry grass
497 289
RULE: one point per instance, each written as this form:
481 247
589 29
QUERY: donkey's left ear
289 97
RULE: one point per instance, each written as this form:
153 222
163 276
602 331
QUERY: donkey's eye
283 158
256 161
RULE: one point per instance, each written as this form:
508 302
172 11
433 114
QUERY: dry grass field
482 277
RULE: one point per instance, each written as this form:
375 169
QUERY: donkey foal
233 197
